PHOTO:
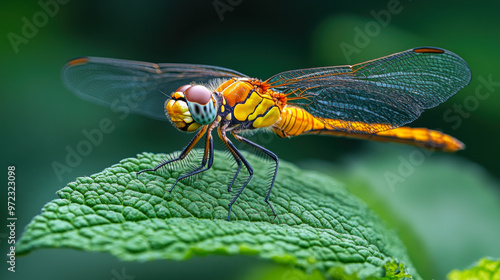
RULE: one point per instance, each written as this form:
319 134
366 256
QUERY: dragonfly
370 100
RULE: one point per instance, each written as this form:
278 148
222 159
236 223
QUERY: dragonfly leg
207 154
237 156
272 156
225 140
182 155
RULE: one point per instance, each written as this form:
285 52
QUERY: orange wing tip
78 61
428 50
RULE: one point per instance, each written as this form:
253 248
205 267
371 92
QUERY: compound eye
183 88
197 94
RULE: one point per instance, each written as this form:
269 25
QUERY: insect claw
229 211
139 173
142 171
172 188
274 213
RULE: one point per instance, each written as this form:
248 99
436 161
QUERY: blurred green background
41 119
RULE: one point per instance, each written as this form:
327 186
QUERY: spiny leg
238 162
225 140
235 151
209 152
205 152
272 156
184 152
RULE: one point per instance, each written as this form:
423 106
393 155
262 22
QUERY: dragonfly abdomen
423 137
296 121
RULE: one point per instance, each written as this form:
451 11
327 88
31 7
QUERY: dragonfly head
190 107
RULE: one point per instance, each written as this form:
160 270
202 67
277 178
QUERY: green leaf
446 209
320 225
485 269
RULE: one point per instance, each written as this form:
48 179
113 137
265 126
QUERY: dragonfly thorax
190 107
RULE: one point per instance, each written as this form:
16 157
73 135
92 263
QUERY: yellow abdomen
297 121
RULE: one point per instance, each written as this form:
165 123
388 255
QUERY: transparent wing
141 86
380 94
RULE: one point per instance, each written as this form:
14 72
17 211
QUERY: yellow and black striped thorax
247 105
